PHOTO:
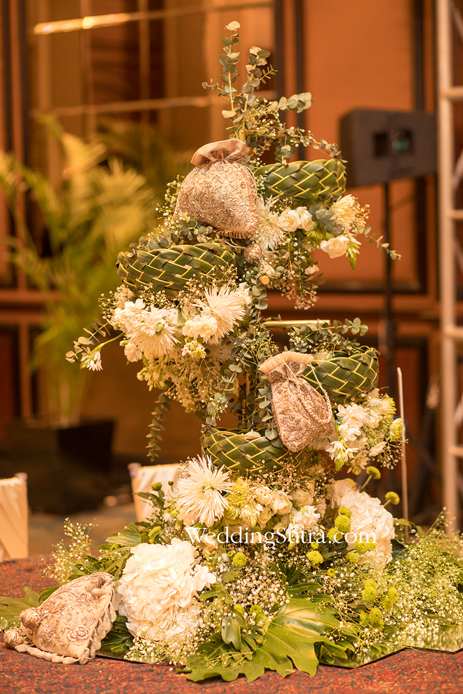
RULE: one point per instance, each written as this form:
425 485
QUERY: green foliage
144 149
11 608
256 120
159 417
119 640
289 642
92 212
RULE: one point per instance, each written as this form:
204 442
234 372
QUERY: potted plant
97 207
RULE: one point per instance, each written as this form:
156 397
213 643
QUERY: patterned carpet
407 672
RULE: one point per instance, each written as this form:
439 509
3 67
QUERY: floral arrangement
260 557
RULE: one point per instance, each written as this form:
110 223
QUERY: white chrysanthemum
151 330
203 326
345 210
336 246
369 519
158 590
227 306
155 333
200 493
269 232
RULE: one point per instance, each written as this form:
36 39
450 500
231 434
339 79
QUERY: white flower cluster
219 311
273 227
158 590
363 430
153 332
351 222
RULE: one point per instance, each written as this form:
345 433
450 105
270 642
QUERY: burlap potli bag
221 191
302 415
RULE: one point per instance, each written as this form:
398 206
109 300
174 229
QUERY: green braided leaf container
319 181
345 376
171 268
247 452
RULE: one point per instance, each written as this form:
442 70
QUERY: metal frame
451 333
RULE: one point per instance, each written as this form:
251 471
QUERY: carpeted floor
407 672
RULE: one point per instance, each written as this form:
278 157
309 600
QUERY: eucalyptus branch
159 417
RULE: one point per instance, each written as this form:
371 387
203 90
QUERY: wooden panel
9 401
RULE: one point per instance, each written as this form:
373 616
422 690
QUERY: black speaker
381 146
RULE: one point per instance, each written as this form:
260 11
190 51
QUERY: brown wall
358 53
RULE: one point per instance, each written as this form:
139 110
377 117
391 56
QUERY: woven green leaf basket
247 452
319 181
345 377
170 269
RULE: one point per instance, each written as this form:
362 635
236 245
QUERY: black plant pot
67 467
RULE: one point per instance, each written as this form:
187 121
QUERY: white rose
306 221
289 220
311 270
302 496
158 590
264 517
263 495
336 246
280 503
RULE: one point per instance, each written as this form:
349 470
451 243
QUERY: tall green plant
91 213
142 147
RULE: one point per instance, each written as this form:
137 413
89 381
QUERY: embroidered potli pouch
69 626
221 191
302 414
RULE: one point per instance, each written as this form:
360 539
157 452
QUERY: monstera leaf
288 643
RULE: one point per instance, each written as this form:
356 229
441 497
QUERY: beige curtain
13 519
144 477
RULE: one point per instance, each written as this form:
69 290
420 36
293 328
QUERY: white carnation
158 590
200 326
307 518
336 246
132 352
